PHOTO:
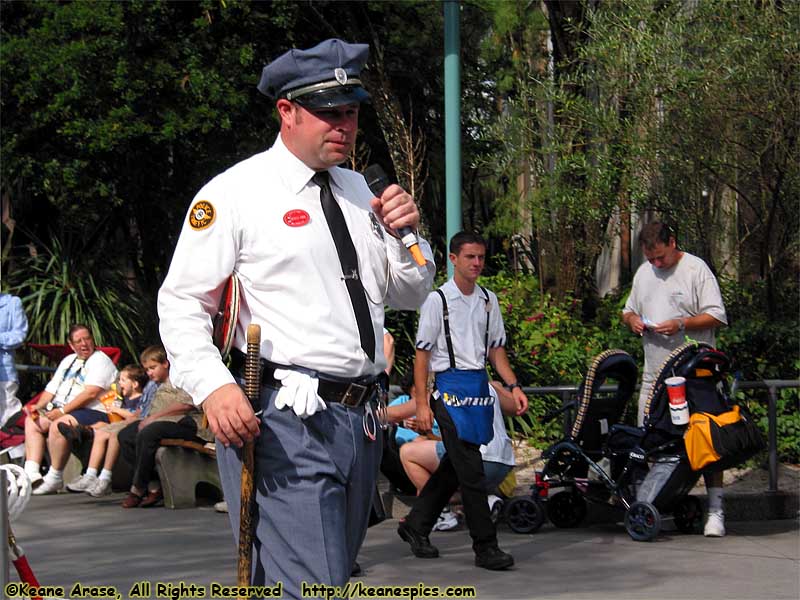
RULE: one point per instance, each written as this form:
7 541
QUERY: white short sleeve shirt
686 290
467 317
499 449
74 374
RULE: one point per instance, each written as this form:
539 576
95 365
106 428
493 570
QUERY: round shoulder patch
202 215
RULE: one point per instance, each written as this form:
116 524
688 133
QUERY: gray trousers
314 480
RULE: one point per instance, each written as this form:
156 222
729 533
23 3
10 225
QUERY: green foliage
788 418
62 286
765 347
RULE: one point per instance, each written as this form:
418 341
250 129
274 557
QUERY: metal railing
567 392
35 369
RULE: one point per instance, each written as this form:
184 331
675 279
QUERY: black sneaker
421 546
356 570
68 431
494 559
76 435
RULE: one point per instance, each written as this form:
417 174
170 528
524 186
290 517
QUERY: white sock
32 467
105 475
54 475
715 499
91 472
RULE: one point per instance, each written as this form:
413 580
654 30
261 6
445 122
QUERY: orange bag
719 442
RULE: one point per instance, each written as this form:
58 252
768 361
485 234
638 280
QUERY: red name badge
296 218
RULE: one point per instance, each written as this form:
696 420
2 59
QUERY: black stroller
564 484
670 477
643 470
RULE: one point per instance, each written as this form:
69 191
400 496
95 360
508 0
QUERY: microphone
378 181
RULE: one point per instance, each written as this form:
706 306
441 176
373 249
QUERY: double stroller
642 470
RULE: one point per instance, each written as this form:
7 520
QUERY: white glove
19 490
298 391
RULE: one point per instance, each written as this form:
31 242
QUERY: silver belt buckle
355 394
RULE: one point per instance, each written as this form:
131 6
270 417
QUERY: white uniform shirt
687 289
74 374
499 449
268 227
467 316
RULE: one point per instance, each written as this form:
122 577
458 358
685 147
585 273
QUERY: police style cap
326 75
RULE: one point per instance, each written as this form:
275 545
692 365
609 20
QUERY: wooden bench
182 466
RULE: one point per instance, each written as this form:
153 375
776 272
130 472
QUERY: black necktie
349 261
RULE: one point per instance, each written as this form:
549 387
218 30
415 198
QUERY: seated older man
71 397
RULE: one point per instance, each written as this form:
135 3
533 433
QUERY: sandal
132 500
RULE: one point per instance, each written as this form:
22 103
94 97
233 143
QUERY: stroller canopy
597 412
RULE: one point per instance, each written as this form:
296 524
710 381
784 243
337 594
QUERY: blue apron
465 394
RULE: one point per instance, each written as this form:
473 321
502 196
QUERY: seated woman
399 413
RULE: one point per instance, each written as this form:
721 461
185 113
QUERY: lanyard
72 379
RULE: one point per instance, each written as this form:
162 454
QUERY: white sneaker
82 483
49 486
35 478
221 507
715 525
100 488
446 521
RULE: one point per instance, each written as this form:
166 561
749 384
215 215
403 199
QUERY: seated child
172 414
132 380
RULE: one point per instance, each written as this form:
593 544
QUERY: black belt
349 393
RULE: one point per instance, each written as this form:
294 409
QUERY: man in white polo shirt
460 329
71 397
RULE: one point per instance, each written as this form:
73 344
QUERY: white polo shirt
467 317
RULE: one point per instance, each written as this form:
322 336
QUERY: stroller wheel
524 514
689 515
566 509
642 521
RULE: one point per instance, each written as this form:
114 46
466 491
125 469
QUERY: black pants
461 466
138 448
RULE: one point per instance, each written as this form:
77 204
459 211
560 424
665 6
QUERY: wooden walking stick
252 387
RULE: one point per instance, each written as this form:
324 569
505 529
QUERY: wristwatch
681 324
510 386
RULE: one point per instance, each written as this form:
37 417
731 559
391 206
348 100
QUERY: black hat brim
332 97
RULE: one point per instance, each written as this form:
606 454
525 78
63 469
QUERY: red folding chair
56 352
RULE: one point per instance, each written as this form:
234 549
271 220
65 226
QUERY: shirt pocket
372 258
679 301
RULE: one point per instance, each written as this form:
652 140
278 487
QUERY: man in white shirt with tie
275 220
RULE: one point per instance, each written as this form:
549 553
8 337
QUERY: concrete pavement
72 538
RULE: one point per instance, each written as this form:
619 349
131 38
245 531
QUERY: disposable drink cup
678 407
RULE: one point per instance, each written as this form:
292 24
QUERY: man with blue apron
460 327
